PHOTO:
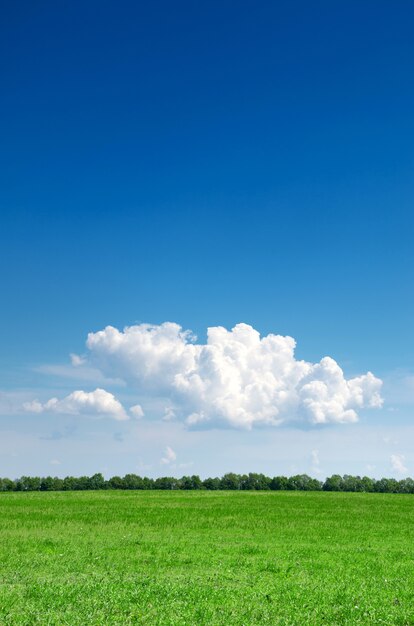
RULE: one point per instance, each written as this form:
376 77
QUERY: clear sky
206 165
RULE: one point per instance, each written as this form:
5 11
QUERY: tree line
230 481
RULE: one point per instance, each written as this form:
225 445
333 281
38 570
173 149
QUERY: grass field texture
194 558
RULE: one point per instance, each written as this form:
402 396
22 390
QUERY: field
188 558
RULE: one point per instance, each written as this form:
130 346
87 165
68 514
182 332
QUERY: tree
116 482
368 484
406 485
303 482
6 484
97 481
211 483
230 481
47 484
256 482
190 482
386 485
83 483
132 481
351 483
147 483
166 482
28 483
333 483
69 483
279 483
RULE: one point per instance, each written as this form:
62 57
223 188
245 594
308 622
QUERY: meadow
198 557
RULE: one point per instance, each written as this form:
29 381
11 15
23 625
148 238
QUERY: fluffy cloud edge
97 403
237 378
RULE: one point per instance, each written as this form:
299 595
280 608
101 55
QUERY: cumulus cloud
136 411
397 463
99 403
236 378
169 457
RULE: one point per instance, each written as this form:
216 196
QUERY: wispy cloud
397 463
56 435
169 456
315 462
80 372
76 359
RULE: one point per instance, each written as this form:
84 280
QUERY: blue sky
207 166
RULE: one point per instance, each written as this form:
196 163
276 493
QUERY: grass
189 558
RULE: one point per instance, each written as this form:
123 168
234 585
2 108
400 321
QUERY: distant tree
97 481
83 483
28 483
243 481
315 484
392 485
255 482
333 483
197 482
166 482
292 483
230 481
147 483
211 483
303 482
116 482
279 483
368 484
132 481
191 482
386 485
47 484
351 483
6 484
20 484
69 483
57 483
406 485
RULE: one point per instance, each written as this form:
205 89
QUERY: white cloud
96 403
150 354
11 401
237 378
136 411
79 373
397 463
76 359
315 462
169 414
34 406
170 456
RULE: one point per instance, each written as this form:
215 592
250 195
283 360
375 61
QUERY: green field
233 558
